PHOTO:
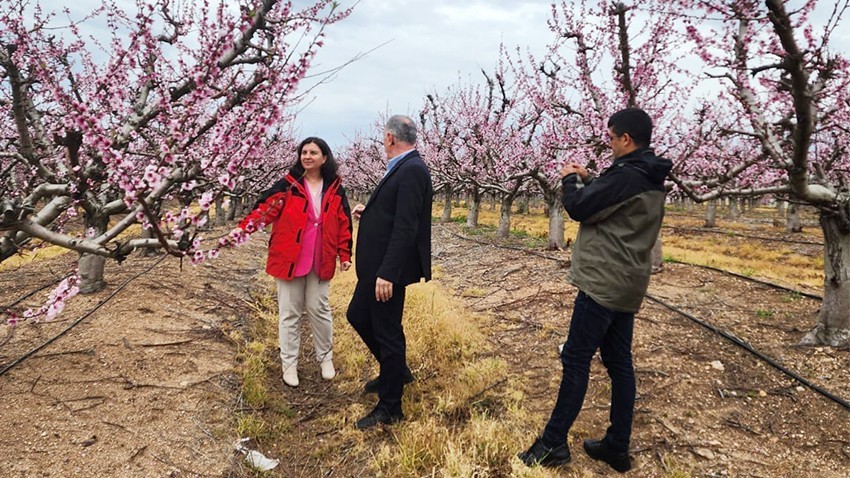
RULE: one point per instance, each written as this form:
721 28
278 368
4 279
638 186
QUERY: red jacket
284 206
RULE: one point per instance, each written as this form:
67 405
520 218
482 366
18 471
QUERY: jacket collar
392 171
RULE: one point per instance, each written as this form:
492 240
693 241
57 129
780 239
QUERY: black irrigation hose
76 322
566 262
751 279
30 294
746 346
727 335
738 234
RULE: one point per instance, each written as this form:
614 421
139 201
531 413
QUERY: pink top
309 257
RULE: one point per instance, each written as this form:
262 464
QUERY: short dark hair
634 121
403 128
328 169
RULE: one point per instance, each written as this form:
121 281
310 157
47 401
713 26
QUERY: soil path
703 405
145 385
142 387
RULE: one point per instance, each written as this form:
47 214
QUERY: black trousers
379 325
596 327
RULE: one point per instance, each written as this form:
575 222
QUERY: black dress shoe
373 385
378 416
540 454
599 450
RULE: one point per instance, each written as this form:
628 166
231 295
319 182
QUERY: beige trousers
304 296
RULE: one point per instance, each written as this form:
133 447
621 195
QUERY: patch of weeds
748 272
474 292
254 369
519 233
764 314
253 426
791 297
668 258
675 468
480 230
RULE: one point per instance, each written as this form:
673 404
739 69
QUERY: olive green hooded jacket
620 214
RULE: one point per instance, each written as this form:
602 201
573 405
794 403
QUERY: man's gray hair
403 128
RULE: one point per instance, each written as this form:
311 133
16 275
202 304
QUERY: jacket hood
645 160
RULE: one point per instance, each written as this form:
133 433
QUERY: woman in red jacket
311 226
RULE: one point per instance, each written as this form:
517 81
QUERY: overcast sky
430 43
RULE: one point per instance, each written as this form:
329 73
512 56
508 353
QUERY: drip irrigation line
76 322
30 294
746 346
751 279
526 250
727 335
738 234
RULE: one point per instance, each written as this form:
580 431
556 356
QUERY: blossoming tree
178 98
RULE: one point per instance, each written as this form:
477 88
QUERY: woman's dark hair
328 169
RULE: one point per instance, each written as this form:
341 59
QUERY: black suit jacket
394 239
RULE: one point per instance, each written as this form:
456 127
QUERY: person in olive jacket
311 227
620 214
393 250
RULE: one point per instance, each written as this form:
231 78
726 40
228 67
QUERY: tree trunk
220 216
447 205
657 257
474 204
711 214
231 213
834 318
794 224
91 266
493 202
522 206
732 211
149 251
556 222
689 205
504 229
779 219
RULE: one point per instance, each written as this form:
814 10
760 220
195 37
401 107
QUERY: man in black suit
393 250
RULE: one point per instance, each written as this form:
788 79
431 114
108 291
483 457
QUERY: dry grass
464 417
775 261
261 414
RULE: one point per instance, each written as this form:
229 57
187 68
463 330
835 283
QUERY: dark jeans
596 327
379 325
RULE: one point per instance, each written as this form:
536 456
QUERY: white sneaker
290 376
328 372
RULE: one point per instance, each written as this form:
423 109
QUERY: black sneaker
540 454
378 416
599 450
373 385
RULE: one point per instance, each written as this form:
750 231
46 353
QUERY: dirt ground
704 405
145 386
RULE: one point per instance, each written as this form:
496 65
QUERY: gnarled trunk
657 257
234 205
834 318
556 221
505 217
794 224
732 211
91 266
711 214
779 218
220 218
448 191
474 204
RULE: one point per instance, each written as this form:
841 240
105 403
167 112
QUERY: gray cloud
430 44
